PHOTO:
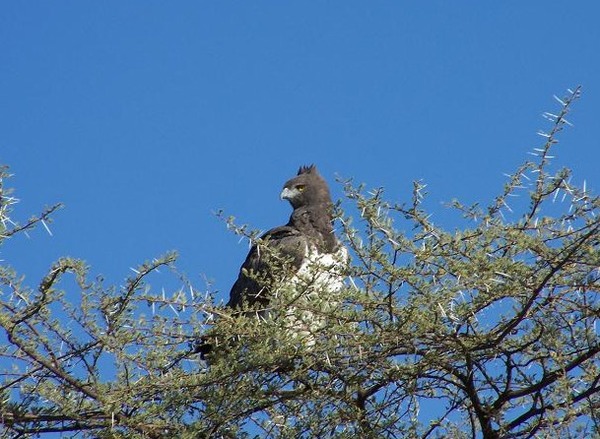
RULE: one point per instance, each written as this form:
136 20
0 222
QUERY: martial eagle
303 259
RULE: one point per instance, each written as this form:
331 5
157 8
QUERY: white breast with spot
311 296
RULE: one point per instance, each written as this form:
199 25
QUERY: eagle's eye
300 187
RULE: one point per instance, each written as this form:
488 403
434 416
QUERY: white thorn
46 227
442 310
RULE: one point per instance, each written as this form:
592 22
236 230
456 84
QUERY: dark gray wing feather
280 249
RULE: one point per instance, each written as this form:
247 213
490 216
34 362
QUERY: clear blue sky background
143 117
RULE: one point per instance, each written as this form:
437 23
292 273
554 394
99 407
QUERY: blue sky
145 117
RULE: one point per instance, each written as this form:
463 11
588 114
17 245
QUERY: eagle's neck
316 221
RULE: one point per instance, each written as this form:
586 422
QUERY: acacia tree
485 331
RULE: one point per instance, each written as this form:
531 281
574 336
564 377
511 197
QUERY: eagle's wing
279 252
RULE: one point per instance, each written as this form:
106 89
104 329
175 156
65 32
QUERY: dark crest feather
307 169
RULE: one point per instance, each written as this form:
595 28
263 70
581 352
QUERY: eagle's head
306 188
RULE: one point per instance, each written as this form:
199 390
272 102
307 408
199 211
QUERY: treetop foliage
484 331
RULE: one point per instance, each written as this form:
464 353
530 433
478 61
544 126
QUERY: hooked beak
288 194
